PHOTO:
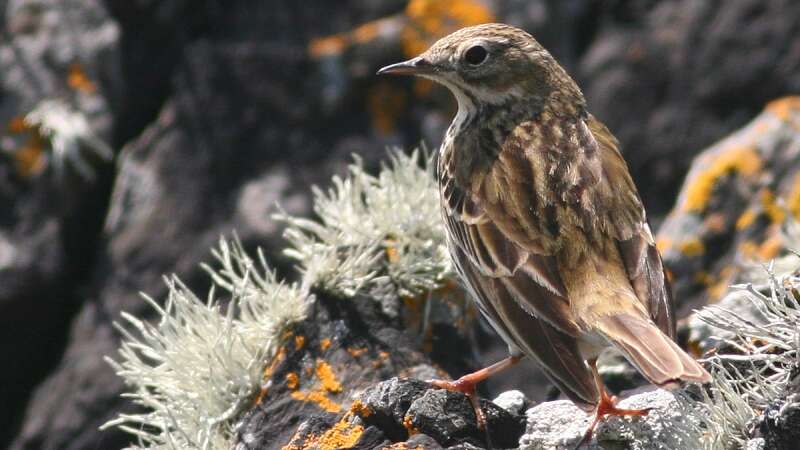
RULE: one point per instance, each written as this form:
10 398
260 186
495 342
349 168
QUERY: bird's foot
467 386
607 407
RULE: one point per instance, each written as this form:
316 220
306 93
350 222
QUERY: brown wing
639 254
505 247
555 351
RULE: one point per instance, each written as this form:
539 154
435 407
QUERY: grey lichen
761 365
373 231
200 364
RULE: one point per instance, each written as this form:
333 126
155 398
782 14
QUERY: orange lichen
279 356
366 32
692 247
432 19
292 380
703 277
771 208
29 159
17 125
260 397
78 80
746 219
299 342
720 287
330 45
337 43
343 434
327 377
324 344
320 398
748 249
770 247
793 197
386 103
360 409
741 160
784 107
409 426
356 352
392 255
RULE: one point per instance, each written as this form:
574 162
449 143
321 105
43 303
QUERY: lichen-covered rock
732 208
670 425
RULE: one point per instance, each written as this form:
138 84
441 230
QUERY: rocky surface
670 425
224 109
735 205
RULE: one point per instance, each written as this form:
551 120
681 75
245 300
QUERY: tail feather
656 356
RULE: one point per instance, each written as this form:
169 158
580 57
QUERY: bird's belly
591 344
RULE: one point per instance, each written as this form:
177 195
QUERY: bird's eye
476 55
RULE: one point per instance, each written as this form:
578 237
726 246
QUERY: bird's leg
606 406
466 384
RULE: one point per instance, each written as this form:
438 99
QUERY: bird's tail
656 356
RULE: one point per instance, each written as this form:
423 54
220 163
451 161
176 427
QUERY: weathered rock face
226 108
737 198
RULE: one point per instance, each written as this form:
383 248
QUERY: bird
544 223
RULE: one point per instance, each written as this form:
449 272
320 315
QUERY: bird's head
489 64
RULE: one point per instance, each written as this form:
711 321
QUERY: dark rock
388 403
404 409
49 223
780 425
339 355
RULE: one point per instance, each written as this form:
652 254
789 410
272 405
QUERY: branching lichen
200 364
763 361
374 230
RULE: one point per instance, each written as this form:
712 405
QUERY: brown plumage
544 222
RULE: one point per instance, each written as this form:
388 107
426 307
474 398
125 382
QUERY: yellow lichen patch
324 344
386 103
784 107
29 159
793 197
692 247
299 342
320 398
78 80
327 377
356 352
432 19
292 380
741 160
770 248
771 208
746 219
663 244
360 409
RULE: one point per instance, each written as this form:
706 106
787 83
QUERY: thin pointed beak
414 66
